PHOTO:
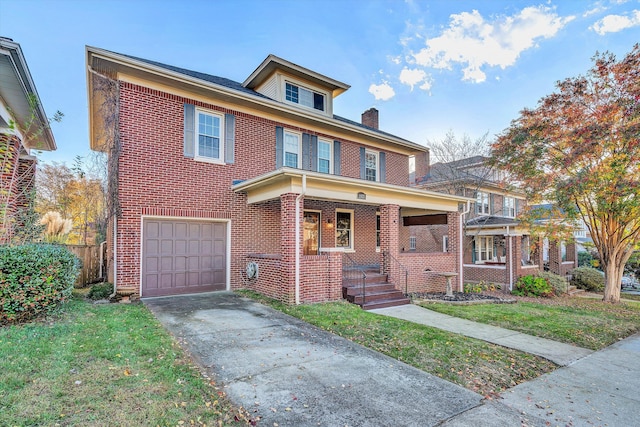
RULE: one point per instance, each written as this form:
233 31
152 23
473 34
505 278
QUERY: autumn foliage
580 149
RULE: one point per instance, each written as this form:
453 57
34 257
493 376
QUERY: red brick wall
17 181
156 179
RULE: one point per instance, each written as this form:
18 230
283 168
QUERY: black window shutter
473 250
336 157
383 167
362 160
189 129
229 137
314 153
279 146
306 151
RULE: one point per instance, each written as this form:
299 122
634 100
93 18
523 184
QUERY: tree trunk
612 278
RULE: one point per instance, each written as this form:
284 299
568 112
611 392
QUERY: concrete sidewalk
602 389
559 353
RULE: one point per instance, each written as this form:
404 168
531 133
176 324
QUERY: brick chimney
370 118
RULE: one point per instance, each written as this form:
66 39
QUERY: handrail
351 273
387 259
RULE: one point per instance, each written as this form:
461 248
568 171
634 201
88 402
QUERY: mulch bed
461 298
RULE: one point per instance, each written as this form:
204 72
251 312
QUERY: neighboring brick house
225 185
23 127
497 247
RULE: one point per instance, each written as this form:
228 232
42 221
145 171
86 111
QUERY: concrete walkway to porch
559 353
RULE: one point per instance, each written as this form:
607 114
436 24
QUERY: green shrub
34 279
100 291
482 286
584 259
532 286
587 278
557 282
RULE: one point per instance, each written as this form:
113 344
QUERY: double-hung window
292 156
324 156
482 203
484 248
303 96
210 145
509 209
371 165
344 229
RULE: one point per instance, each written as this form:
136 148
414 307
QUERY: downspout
298 197
102 258
115 258
461 248
510 260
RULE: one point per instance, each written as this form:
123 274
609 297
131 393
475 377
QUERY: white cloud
615 23
412 77
383 92
594 11
474 43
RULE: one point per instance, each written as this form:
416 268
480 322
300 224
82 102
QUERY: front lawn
104 365
479 366
584 322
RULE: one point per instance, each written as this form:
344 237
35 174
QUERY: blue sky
427 66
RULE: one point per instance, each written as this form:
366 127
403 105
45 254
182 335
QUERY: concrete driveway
292 374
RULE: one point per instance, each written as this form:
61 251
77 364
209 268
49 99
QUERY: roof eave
25 81
265 102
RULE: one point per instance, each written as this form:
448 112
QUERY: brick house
497 247
225 185
23 127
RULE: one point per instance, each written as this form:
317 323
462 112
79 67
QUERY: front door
311 232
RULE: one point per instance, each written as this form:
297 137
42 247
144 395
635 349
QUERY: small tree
580 148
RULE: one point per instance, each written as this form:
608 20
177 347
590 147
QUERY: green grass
482 367
103 365
584 322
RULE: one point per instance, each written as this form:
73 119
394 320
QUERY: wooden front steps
378 292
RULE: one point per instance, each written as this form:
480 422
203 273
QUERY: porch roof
495 225
336 188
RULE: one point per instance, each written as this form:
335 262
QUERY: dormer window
303 96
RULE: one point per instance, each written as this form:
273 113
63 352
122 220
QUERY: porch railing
389 261
352 272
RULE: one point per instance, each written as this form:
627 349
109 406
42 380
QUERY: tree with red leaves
580 149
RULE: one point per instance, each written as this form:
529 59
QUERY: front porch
499 253
331 228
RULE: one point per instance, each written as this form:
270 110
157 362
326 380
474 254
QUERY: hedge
34 280
587 278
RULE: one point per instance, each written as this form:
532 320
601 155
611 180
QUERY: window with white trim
482 203
344 229
484 249
509 209
292 157
445 243
303 96
324 156
412 243
371 165
563 251
210 144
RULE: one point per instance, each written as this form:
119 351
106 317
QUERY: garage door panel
183 257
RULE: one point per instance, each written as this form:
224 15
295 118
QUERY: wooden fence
90 259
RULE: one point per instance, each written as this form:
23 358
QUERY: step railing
351 271
389 261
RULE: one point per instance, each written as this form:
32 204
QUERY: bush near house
34 280
100 291
585 259
532 286
557 282
587 278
